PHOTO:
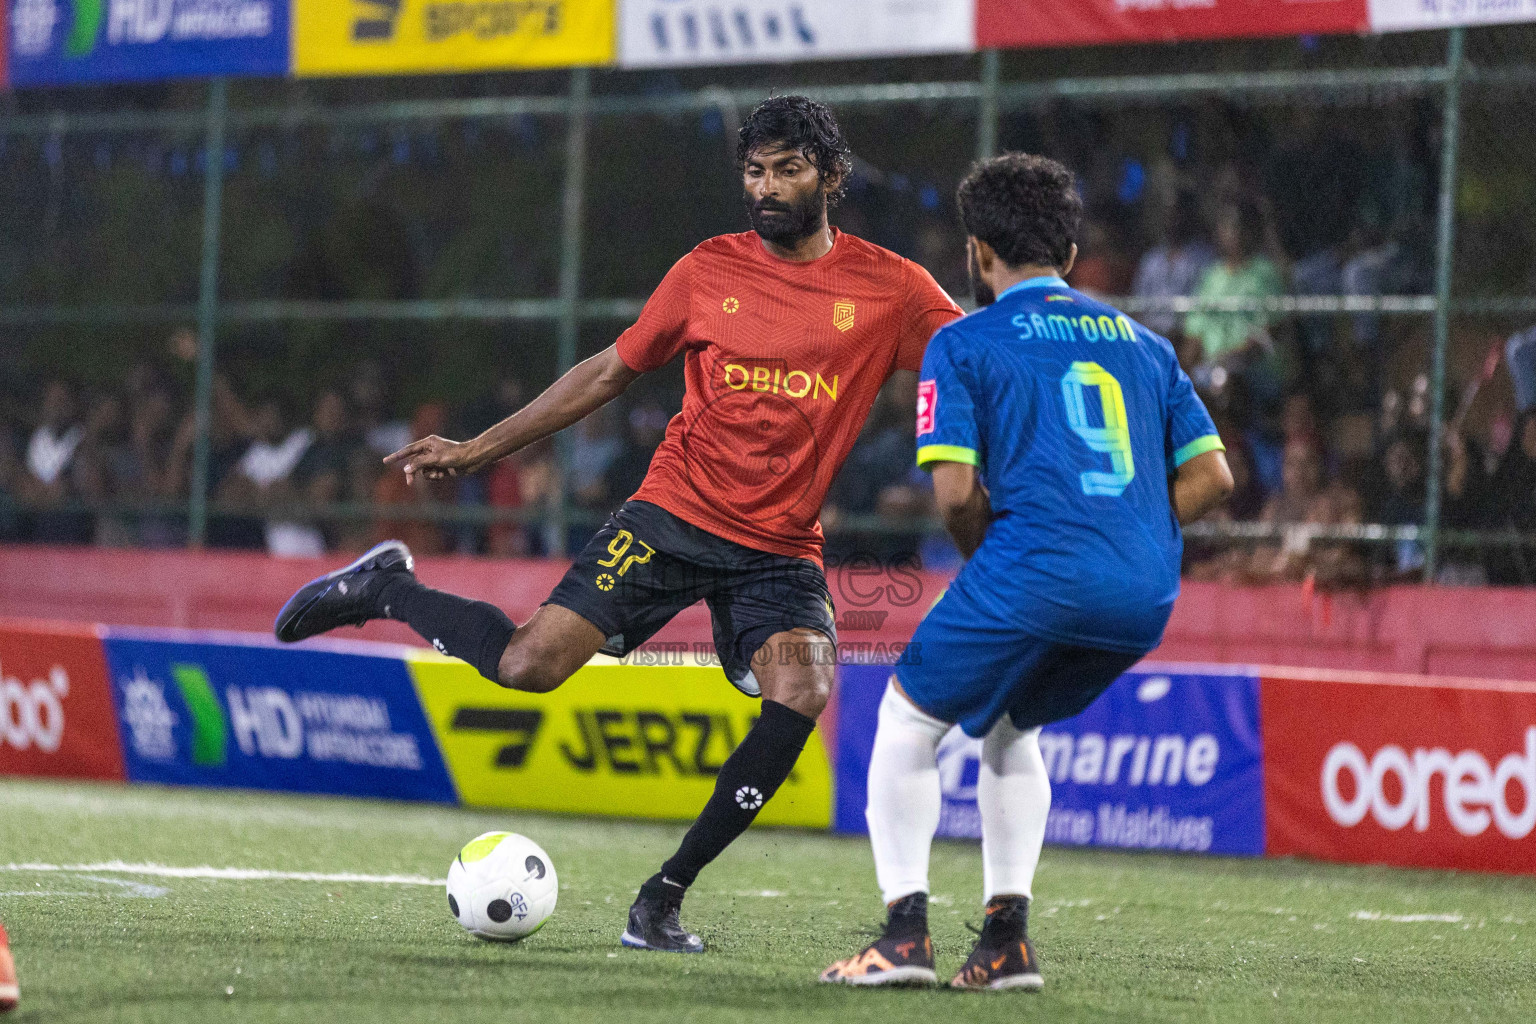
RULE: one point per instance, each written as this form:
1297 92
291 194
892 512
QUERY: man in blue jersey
1067 447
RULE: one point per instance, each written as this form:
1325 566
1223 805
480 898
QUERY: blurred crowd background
1325 416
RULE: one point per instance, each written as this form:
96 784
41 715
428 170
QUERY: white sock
1014 795
904 796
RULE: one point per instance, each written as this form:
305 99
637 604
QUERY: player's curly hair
799 122
1025 207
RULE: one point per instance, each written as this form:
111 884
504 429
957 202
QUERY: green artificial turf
1122 937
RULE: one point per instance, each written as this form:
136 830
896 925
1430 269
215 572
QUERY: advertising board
56 714
657 33
265 717
622 740
1165 760
1418 774
377 37
56 42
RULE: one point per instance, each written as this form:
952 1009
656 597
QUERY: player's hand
434 458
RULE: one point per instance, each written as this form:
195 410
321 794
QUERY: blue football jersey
1075 417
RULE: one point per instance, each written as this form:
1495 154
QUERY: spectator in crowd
423 536
1399 500
1235 340
373 426
1174 267
263 480
50 455
1291 510
595 451
646 425
1101 270
1513 504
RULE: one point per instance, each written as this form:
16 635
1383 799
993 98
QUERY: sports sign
1423 775
655 33
1399 15
1162 761
1005 23
265 717
55 709
55 42
369 37
615 739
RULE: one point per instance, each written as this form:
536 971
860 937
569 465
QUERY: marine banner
55 709
1164 760
656 33
376 37
260 716
55 42
623 740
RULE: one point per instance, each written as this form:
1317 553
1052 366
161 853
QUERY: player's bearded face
983 292
790 214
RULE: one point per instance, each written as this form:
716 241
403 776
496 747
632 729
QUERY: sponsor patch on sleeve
927 405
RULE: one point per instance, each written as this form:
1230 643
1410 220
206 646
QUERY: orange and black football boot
1003 957
10 993
903 955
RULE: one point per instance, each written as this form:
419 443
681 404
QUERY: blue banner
1163 760
258 717
56 42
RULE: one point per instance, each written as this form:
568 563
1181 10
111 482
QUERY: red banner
56 715
1421 773
1003 23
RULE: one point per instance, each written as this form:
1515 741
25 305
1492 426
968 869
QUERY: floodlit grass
1122 937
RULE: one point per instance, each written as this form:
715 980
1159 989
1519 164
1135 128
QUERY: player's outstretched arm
963 504
1201 484
584 388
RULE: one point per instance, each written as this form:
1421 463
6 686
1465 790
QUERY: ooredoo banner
370 37
55 706
55 42
263 717
655 33
1417 773
1163 760
1005 23
641 742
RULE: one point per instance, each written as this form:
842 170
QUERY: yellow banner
372 37
622 740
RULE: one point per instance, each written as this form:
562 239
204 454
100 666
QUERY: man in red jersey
10 992
788 332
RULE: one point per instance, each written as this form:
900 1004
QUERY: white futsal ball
502 887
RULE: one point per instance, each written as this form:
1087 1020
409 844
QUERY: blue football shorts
961 667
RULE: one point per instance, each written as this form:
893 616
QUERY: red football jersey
784 361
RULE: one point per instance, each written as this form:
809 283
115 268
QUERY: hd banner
656 33
620 740
58 42
386 37
259 716
1010 23
1164 760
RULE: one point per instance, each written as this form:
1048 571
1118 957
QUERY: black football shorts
645 565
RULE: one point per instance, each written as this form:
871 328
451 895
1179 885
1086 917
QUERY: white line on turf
221 874
1373 915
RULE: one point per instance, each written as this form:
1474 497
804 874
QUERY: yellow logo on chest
775 380
842 315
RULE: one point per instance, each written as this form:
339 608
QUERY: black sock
457 626
908 915
747 781
1007 920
